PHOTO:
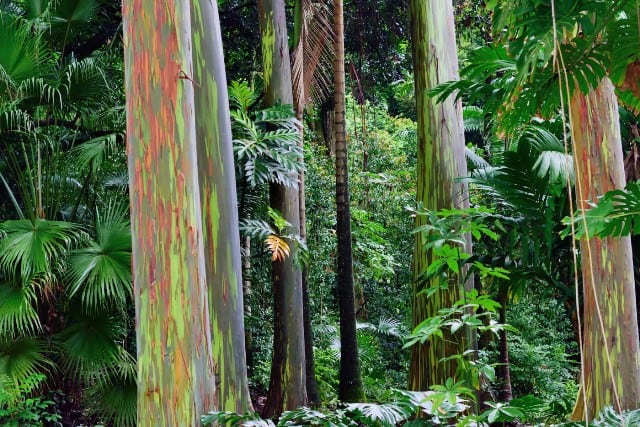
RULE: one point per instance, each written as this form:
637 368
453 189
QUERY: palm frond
22 53
101 272
91 343
29 247
113 395
312 58
23 357
92 153
18 315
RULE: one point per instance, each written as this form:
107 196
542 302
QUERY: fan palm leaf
91 343
113 395
101 271
29 247
23 357
18 315
22 53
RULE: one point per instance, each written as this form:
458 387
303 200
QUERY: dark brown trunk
350 388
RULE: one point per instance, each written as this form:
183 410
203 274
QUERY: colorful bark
611 355
440 160
175 369
287 386
221 235
350 386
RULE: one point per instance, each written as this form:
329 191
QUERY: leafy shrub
18 408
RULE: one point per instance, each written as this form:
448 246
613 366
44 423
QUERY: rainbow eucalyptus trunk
350 386
175 367
219 209
287 385
440 160
611 364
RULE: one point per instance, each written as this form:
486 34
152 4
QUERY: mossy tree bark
440 160
287 386
610 329
175 367
219 208
350 386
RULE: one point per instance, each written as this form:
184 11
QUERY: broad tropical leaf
23 357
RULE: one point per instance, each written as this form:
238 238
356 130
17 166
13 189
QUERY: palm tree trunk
175 365
440 160
287 387
611 366
221 232
350 387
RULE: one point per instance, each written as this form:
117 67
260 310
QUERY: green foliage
19 408
615 214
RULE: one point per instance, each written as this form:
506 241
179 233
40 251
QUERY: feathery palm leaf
101 272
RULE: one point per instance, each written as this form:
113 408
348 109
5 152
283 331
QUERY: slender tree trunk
221 232
611 364
175 365
246 292
504 378
299 100
350 387
287 387
440 160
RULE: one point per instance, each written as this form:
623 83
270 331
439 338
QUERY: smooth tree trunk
610 330
441 160
299 101
350 386
287 385
175 365
221 235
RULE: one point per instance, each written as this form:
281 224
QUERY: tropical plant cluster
427 221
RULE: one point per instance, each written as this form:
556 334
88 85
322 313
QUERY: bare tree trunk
175 365
441 159
287 387
350 387
219 209
611 365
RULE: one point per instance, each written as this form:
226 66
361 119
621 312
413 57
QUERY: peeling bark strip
440 160
219 208
607 266
175 369
287 386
